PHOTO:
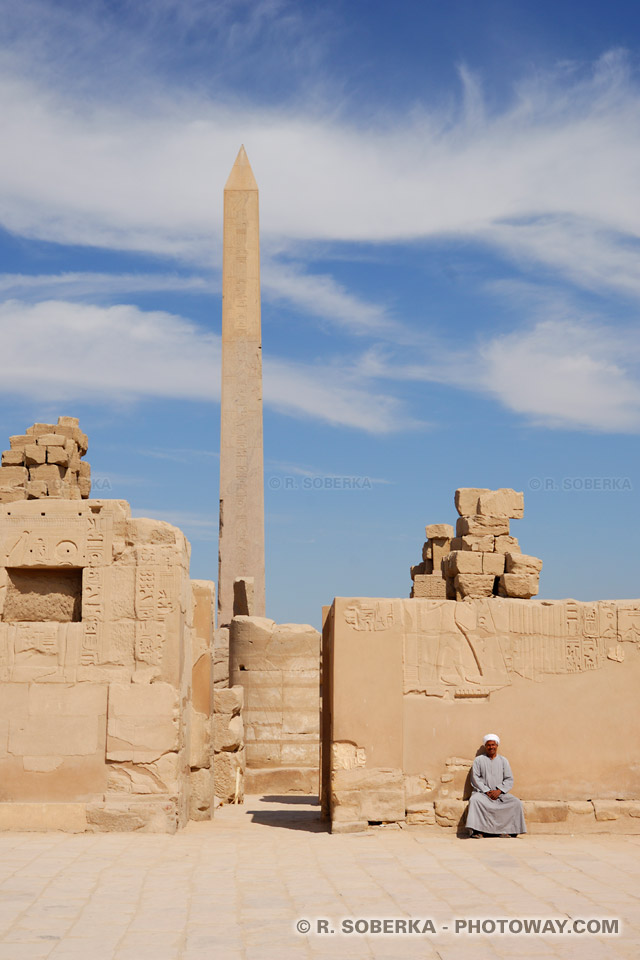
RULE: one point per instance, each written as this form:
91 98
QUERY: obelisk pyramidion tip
241 176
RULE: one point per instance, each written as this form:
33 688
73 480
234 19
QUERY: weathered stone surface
145 817
450 813
431 586
545 811
375 795
200 741
142 721
228 701
12 458
439 530
506 545
466 500
502 503
44 595
521 563
228 732
463 561
201 794
228 776
477 544
481 526
43 817
518 585
493 563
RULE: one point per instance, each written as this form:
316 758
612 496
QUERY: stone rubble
481 558
46 461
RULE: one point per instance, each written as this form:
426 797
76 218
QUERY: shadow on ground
289 818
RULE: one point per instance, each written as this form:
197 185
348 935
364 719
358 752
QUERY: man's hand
493 794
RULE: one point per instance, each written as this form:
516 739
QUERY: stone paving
234 888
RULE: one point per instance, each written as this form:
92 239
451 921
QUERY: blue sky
450 218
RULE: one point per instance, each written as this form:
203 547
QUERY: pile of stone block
482 559
46 462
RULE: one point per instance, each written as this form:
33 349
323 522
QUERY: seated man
493 811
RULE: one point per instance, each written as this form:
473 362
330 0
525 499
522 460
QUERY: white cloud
58 350
146 173
39 286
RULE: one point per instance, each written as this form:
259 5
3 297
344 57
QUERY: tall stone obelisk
241 542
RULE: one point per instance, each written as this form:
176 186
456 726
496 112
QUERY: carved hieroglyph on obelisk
241 543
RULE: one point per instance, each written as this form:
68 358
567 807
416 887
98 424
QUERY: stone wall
97 663
411 686
278 665
46 461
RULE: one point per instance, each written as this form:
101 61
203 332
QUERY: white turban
491 736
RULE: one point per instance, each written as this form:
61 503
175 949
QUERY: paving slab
239 886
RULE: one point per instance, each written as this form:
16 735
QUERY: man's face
491 748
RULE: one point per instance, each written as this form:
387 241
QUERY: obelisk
241 541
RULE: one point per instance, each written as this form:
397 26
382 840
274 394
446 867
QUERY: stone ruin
46 461
481 559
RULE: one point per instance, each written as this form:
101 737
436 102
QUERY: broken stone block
493 563
479 526
201 794
502 503
375 795
478 544
142 721
429 586
466 500
46 471
474 586
522 563
243 597
228 732
506 545
418 569
50 440
228 776
35 455
545 811
58 455
13 476
463 561
13 458
442 531
228 700
20 441
450 813
518 585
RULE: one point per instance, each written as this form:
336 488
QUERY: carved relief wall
416 683
93 708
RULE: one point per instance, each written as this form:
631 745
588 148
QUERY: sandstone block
466 500
450 813
68 422
518 585
439 530
229 701
300 754
13 458
456 544
50 440
35 455
473 585
201 794
243 596
419 569
41 817
58 736
493 563
502 503
19 442
478 544
146 817
84 486
421 817
228 732
521 563
429 586
350 826
545 811
145 779
375 795
505 544
463 561
46 471
10 494
200 746
606 809
57 455
481 526
13 475
142 721
228 776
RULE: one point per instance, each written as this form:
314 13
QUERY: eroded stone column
241 544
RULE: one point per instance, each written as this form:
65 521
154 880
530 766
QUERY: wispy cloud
63 350
80 285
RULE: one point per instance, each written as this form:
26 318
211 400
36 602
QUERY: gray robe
504 815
